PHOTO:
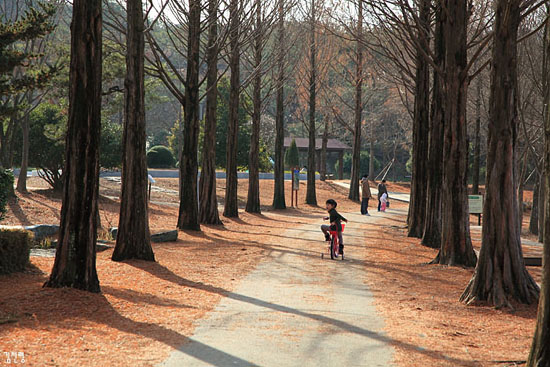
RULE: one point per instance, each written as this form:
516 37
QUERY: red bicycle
334 245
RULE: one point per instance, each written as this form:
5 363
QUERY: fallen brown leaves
145 309
422 313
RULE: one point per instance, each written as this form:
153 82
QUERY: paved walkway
406 198
393 195
295 309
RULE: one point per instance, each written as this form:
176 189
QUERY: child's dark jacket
336 218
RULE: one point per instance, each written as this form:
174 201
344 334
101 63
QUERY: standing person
382 189
365 195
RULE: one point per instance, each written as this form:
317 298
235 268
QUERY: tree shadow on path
164 273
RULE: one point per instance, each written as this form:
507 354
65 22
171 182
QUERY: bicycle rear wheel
332 243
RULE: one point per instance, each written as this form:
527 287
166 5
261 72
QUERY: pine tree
292 156
35 23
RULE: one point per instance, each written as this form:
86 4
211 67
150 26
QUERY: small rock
100 247
170 236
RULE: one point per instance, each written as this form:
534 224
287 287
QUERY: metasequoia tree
208 209
531 110
189 165
133 237
539 356
75 259
311 78
417 206
183 35
431 236
311 195
403 38
500 274
358 112
456 244
253 199
355 33
279 167
231 208
259 65
477 139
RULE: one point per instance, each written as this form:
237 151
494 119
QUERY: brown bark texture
133 236
311 195
456 244
539 356
208 201
231 209
279 168
75 258
22 179
542 194
358 113
534 219
432 224
500 276
253 198
477 140
323 155
189 165
371 152
421 123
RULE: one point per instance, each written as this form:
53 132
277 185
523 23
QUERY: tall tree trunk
358 112
432 224
231 208
189 165
75 259
500 274
456 244
208 200
279 167
542 212
477 140
253 201
539 356
534 219
323 157
371 152
22 180
520 184
417 206
8 142
311 196
133 236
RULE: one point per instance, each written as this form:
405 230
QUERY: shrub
292 156
110 153
14 250
160 157
48 126
6 189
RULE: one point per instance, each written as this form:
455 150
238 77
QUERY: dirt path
295 309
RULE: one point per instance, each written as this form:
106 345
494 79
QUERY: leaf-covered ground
147 309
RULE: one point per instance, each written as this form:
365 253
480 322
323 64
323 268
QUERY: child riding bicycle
335 223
